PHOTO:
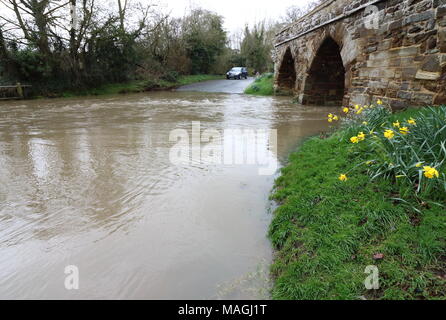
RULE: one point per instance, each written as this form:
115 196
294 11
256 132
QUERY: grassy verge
327 231
140 86
262 86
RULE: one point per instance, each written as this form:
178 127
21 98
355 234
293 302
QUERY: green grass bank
139 86
386 214
262 86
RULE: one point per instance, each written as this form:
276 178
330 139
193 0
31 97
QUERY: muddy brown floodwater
88 182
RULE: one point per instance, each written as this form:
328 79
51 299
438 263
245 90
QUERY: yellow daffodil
357 107
361 136
412 121
354 139
430 172
404 130
332 117
346 110
343 177
360 111
365 123
379 102
419 164
396 124
389 134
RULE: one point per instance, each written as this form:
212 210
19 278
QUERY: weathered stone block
431 64
442 40
430 25
423 6
419 17
377 73
397 104
398 24
430 85
441 12
377 84
431 43
437 3
406 51
415 29
390 93
394 85
426 75
384 45
409 73
404 94
377 63
423 98
371 49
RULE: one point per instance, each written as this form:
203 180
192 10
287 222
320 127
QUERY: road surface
220 86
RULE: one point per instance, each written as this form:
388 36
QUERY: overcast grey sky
236 12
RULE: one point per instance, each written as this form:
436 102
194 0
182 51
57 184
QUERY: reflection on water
88 182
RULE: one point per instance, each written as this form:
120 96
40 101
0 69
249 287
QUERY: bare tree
8 64
297 11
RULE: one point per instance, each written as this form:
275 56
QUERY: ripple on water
88 181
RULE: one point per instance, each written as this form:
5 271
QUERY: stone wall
394 50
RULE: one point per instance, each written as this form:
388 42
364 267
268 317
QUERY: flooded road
219 86
89 183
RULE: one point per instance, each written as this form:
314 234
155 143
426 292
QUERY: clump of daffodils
332 117
411 151
360 137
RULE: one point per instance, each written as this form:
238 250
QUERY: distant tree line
42 43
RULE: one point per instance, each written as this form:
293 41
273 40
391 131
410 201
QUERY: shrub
171 76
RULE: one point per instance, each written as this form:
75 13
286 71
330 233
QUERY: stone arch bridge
348 52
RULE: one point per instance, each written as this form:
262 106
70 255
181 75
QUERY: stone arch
286 78
325 83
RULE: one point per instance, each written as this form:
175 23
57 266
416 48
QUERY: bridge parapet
393 50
